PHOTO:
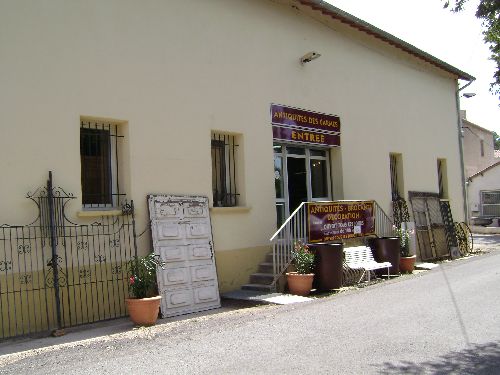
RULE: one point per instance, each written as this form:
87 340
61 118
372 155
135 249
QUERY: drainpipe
461 149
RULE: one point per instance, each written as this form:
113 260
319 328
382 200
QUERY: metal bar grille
490 203
393 162
99 151
225 193
440 178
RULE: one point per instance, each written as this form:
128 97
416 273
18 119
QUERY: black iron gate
55 273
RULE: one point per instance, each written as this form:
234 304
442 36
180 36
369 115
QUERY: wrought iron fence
55 273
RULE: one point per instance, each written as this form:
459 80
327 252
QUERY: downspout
461 149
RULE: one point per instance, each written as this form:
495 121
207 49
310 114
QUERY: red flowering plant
303 258
142 275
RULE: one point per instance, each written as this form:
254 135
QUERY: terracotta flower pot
407 264
300 284
143 311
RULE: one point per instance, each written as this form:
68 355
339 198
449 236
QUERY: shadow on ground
105 328
486 239
480 359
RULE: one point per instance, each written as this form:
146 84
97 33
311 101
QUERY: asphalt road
445 321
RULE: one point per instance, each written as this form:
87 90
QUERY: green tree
488 11
496 141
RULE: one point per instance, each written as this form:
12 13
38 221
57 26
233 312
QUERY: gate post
53 244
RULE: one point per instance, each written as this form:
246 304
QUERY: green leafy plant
142 279
303 258
404 240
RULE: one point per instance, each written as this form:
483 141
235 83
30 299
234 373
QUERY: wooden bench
361 257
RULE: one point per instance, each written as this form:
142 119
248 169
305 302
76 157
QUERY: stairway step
257 287
269 257
261 278
266 267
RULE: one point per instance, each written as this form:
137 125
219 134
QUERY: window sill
230 210
99 213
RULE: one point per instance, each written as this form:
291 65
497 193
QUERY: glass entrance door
301 174
297 182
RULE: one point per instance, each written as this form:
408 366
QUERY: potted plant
300 281
144 304
406 261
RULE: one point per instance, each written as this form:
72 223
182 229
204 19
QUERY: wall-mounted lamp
309 57
468 94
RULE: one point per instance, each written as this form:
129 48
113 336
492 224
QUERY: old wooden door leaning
182 237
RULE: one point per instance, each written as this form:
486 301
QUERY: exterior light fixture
309 57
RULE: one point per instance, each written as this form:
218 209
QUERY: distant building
484 193
482 171
478 145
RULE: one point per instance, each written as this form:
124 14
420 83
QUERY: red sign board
301 126
339 220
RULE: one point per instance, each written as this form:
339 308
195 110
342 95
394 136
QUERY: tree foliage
496 141
488 11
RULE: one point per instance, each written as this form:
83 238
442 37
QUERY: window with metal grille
442 178
99 144
224 154
395 165
490 203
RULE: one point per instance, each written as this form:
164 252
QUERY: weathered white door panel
175 276
173 253
200 251
205 294
182 237
203 273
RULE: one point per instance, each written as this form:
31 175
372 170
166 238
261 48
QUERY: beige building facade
478 144
184 90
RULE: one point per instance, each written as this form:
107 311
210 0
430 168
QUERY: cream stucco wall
175 70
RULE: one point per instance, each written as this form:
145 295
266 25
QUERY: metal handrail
294 229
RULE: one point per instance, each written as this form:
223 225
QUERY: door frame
284 154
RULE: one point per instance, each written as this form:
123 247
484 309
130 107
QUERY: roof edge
336 13
467 122
481 172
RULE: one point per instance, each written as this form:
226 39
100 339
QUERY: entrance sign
339 220
302 126
305 136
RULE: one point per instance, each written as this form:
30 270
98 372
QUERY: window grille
394 177
224 151
441 166
490 203
99 146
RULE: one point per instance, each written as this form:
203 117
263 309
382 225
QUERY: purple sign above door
300 126
289 116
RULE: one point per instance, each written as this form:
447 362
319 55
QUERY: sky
452 37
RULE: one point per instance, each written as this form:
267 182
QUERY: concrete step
269 257
266 267
261 278
257 287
